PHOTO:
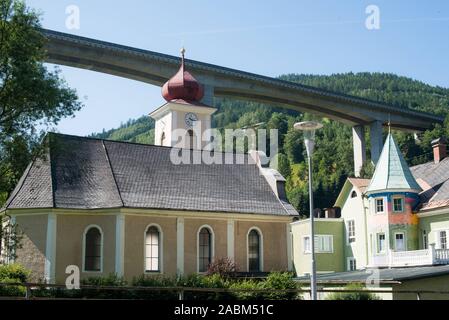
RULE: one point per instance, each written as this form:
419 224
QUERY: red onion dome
182 86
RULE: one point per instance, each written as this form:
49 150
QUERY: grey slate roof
86 173
434 179
387 274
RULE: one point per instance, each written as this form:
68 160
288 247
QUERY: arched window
93 244
162 138
204 249
254 251
354 194
152 250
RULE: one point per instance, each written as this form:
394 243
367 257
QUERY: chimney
439 149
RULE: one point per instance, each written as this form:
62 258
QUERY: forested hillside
332 161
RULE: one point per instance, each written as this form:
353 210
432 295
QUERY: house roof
392 171
358 183
434 180
87 173
384 275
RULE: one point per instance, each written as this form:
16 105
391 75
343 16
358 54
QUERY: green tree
31 96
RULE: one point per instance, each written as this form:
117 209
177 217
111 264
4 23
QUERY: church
126 208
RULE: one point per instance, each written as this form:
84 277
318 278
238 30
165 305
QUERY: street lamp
309 128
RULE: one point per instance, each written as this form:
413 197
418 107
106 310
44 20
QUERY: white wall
354 209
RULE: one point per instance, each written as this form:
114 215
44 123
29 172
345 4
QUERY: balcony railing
430 256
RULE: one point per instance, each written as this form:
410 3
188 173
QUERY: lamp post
309 128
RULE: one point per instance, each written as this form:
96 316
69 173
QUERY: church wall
135 228
274 244
32 253
69 243
191 229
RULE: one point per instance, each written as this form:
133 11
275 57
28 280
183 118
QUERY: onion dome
182 86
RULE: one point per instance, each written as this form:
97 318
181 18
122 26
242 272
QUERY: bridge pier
208 98
376 140
359 146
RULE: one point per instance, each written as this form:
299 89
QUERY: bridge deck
156 68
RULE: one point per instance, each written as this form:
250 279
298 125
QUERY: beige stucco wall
135 227
191 229
71 226
274 245
32 253
69 241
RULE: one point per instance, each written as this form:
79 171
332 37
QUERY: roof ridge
112 172
145 144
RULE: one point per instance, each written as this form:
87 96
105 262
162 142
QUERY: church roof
392 172
87 173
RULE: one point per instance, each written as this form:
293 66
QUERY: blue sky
264 37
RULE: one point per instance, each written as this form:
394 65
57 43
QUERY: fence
181 291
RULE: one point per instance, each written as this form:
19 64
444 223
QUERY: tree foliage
31 96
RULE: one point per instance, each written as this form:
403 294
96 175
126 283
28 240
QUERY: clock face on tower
190 119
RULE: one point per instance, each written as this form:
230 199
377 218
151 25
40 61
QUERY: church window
354 194
152 250
205 249
93 247
254 251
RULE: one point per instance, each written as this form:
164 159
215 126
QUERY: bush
200 281
13 273
357 295
147 280
225 267
247 284
280 281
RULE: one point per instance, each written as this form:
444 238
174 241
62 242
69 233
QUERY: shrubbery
357 294
219 280
13 273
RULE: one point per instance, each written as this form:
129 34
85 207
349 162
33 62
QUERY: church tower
183 121
393 195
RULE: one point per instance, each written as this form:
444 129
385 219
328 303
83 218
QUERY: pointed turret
392 172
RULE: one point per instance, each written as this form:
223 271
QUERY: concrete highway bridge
156 68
